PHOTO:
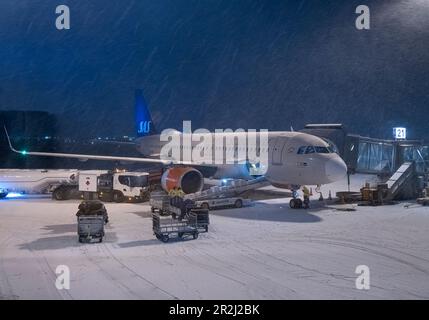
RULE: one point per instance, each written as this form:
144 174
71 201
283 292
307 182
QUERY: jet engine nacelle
190 180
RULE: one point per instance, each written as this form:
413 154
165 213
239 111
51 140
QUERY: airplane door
277 154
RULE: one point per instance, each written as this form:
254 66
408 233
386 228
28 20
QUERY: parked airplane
294 158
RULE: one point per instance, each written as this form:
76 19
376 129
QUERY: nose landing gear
295 203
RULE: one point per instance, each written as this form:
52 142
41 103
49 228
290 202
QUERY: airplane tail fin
144 123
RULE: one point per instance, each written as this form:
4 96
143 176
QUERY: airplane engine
190 180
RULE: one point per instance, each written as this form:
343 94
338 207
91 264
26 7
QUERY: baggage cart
90 227
91 218
202 218
160 203
166 227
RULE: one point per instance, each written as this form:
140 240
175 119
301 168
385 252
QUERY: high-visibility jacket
172 193
306 191
180 193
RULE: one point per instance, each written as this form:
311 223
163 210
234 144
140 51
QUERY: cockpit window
311 149
321 149
301 150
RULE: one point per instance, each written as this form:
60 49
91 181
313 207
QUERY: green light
24 152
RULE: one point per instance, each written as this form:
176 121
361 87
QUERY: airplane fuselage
294 158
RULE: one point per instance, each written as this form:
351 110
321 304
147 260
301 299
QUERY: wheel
238 203
207 228
292 203
80 239
118 196
195 235
165 238
205 205
157 236
100 240
3 195
58 194
298 203
180 234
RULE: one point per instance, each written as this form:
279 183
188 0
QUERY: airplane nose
335 169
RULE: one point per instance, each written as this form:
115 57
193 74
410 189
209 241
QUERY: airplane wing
97 157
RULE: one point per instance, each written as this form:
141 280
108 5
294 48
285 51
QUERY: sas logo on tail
144 126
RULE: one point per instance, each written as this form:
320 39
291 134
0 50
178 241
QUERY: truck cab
123 186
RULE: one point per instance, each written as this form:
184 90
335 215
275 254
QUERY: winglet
10 143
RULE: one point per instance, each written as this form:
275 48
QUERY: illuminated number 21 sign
400 133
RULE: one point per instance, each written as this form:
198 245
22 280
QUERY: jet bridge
237 188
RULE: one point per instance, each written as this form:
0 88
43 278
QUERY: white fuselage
289 161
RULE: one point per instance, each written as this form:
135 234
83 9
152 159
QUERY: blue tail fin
144 123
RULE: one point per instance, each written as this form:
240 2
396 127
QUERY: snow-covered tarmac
267 251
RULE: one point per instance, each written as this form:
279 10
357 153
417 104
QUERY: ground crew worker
172 193
306 193
180 193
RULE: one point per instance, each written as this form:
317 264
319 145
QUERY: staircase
402 183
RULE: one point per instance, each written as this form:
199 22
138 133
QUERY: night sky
220 63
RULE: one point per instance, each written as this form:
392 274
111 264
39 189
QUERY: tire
298 203
3 195
100 240
205 206
207 228
165 238
80 240
118 197
180 234
195 235
292 204
238 203
58 194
